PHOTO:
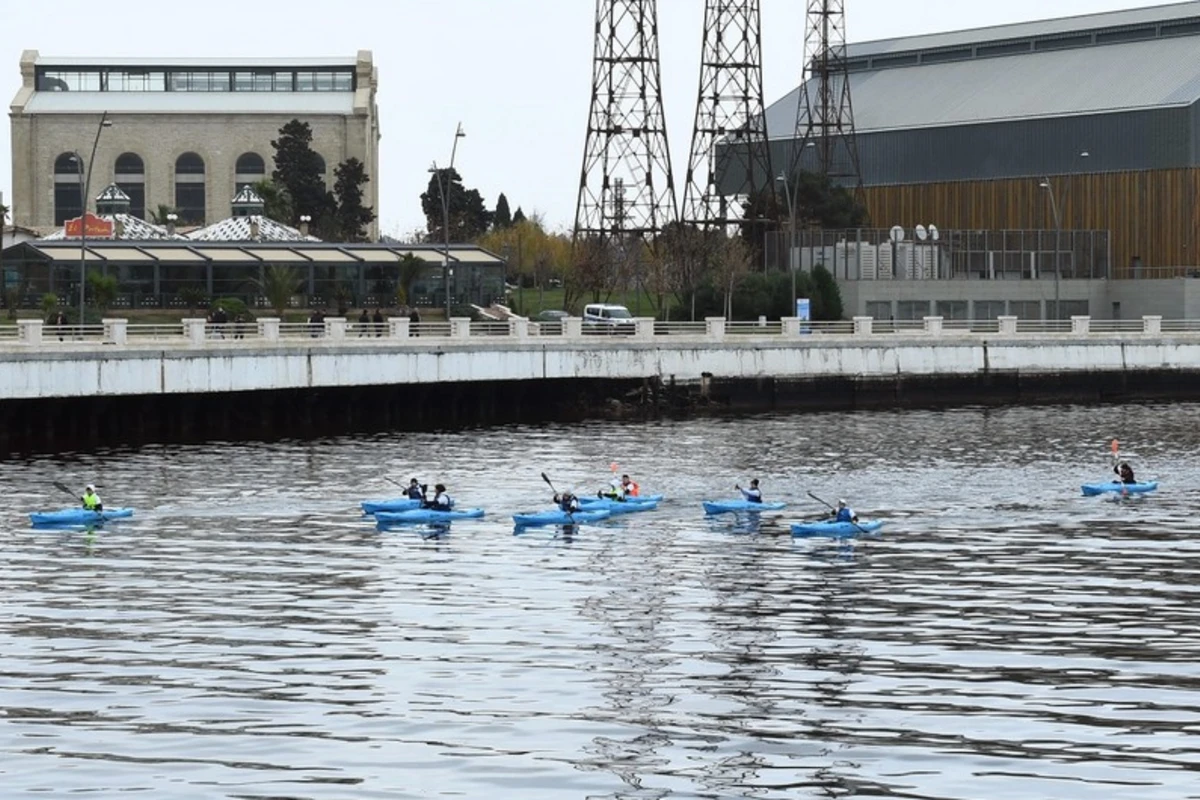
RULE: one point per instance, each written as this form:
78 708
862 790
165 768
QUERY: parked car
606 318
550 321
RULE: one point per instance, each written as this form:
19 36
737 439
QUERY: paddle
65 489
834 508
546 478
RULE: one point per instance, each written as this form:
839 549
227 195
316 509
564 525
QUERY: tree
501 218
104 289
410 269
277 204
298 172
469 217
822 204
278 284
518 217
686 255
734 259
4 212
160 214
352 217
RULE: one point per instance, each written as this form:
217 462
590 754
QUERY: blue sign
804 313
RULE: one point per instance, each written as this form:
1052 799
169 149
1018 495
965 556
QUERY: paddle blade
612 467
62 487
1115 446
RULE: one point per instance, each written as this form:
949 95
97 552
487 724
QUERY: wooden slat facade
1153 216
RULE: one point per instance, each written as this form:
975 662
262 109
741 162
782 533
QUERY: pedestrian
239 327
364 323
378 320
414 322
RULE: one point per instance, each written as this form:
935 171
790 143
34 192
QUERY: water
247 635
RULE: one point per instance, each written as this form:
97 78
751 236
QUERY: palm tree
410 270
278 284
159 216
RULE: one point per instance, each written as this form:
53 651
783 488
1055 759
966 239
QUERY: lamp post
1049 187
84 187
791 232
444 191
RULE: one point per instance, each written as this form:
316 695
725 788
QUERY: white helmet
842 503
90 488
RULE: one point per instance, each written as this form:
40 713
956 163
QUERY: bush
233 307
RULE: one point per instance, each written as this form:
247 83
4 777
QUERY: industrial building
1085 128
182 133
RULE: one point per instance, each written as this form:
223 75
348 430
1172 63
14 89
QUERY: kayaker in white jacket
441 501
753 494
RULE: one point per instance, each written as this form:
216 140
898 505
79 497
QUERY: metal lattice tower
825 115
626 187
729 139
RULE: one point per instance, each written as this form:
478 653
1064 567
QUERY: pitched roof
132 229
239 229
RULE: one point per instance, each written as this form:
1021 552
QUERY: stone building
184 133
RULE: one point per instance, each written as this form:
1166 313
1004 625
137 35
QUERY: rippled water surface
248 635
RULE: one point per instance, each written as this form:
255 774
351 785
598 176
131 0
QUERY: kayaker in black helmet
567 501
416 491
1125 472
753 494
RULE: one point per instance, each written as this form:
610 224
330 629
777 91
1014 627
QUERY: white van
606 318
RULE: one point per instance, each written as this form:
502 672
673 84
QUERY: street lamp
1049 187
791 232
444 191
84 188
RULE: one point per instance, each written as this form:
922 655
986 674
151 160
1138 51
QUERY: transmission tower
730 158
626 188
825 115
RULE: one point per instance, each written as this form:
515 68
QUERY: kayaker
567 501
843 513
1125 472
91 500
416 491
613 491
628 487
441 501
753 494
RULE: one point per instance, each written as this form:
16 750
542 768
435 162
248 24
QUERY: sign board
92 226
804 313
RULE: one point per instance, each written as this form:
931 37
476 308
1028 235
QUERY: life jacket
90 501
845 515
442 502
416 493
631 489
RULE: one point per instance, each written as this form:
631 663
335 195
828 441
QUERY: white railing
200 333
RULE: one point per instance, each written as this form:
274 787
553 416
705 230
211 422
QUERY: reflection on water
249 635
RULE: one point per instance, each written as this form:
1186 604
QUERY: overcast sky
517 73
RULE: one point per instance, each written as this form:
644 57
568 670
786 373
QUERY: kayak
832 528
428 515
725 506
642 498
1092 489
622 506
78 516
556 516
395 504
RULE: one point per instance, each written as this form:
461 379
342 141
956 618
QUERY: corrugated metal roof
1024 30
1089 80
341 103
239 229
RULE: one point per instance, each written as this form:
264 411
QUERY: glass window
306 81
989 309
189 201
879 309
243 81
250 164
951 309
283 81
133 80
200 81
324 81
67 204
69 81
137 197
189 164
320 163
912 309
343 81
129 164
1025 309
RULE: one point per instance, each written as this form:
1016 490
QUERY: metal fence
874 254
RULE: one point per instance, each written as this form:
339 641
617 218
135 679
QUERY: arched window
68 200
130 174
189 188
320 165
250 170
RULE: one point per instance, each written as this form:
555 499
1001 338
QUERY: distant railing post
335 328
518 327
643 328
1081 324
572 327
29 331
1008 325
194 330
933 326
268 328
862 326
116 331
791 326
399 328
460 327
1152 325
714 328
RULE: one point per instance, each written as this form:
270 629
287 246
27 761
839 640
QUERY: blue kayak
395 504
832 528
78 516
1093 489
643 498
727 506
556 516
428 515
622 506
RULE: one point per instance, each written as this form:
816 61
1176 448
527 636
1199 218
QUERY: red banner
94 227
